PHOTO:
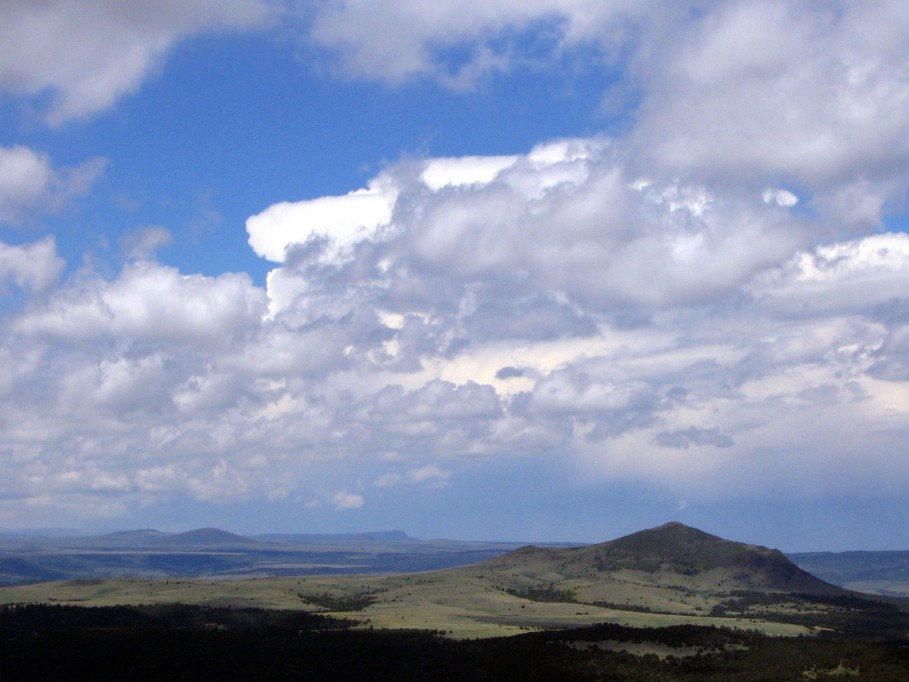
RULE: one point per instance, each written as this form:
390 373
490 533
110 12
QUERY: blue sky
536 271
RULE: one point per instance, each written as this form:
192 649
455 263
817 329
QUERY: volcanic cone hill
669 568
680 549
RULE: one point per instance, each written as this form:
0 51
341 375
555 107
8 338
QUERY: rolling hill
674 552
670 575
204 538
138 535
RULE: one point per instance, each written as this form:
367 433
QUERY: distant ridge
39 533
879 572
204 537
374 536
141 534
675 548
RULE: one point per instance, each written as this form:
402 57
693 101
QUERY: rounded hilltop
674 549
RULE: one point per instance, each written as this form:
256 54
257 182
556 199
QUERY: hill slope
674 549
204 538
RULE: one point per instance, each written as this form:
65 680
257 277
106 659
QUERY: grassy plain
461 603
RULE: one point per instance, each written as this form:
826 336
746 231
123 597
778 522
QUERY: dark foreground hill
197 643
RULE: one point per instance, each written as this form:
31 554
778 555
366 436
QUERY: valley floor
461 603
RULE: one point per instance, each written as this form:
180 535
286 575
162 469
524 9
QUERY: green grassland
463 603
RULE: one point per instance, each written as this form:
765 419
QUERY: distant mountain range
211 551
669 575
217 538
151 553
201 537
875 572
141 535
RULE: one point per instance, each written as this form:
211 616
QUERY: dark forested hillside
168 643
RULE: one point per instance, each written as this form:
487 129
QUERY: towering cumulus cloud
708 299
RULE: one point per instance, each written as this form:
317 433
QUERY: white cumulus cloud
88 53
345 500
735 92
35 266
30 185
706 301
429 475
341 221
402 39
